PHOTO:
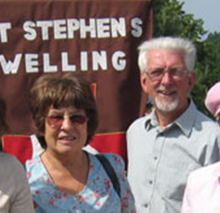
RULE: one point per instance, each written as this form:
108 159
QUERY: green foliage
171 19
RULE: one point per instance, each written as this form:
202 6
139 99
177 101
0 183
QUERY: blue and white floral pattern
98 196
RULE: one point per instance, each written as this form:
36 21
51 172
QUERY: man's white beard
166 104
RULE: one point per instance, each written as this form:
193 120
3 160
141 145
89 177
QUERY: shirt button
145 205
155 157
150 181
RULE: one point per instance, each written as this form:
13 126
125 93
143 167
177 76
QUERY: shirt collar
183 121
151 120
187 119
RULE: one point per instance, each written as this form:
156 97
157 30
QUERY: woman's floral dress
98 196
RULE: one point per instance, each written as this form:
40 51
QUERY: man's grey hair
168 43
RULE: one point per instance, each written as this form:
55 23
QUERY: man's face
167 80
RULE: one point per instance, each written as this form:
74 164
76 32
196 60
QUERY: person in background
176 138
203 188
15 196
212 101
149 106
65 178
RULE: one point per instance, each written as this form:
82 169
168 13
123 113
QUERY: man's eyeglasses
157 73
56 121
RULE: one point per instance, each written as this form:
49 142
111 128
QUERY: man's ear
143 81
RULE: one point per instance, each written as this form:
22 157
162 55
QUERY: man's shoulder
198 117
139 122
203 116
206 130
206 121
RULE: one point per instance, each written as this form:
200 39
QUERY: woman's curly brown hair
70 89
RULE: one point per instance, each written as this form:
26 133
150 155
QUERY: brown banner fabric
96 38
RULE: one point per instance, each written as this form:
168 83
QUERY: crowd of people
173 150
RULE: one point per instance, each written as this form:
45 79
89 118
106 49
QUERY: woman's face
65 130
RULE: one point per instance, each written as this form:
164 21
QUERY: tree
170 19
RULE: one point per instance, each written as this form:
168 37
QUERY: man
176 138
203 189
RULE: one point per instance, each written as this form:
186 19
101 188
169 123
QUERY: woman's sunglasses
56 121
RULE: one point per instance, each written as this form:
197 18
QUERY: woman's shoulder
115 160
32 163
10 168
35 170
9 161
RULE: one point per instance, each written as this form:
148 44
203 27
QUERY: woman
64 178
15 196
203 189
212 101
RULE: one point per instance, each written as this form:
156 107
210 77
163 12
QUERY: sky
207 10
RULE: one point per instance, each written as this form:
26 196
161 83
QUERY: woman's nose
67 122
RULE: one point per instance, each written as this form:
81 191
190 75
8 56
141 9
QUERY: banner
96 38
